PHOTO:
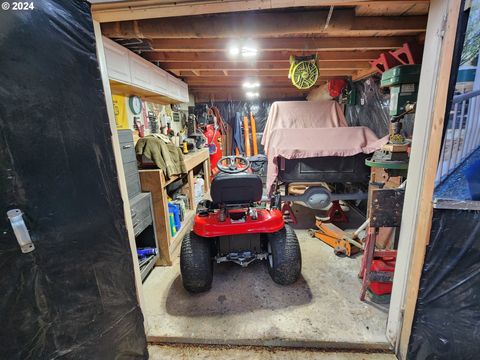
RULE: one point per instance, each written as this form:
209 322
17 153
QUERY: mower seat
241 188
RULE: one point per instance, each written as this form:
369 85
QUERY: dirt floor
245 307
167 352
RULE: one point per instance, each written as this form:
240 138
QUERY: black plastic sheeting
260 110
74 296
447 316
371 108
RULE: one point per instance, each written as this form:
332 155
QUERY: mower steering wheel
232 166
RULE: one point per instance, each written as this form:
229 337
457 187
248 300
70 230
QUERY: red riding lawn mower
234 226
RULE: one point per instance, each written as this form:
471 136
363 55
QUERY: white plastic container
199 183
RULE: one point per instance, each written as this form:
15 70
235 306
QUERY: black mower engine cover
238 243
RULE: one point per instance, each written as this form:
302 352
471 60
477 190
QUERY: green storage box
403 74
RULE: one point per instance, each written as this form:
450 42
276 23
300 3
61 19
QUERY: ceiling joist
285 44
268 56
150 9
245 25
285 65
258 73
192 39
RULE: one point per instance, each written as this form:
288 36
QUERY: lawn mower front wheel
196 264
284 257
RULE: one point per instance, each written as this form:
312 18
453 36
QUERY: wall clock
135 104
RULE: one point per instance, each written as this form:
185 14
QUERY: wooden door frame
426 145
119 165
429 119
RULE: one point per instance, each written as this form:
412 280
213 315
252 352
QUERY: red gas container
383 265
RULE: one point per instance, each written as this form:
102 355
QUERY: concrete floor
245 307
167 352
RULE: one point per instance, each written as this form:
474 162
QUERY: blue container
472 174
143 252
174 209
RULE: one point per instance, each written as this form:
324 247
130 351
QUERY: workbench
155 181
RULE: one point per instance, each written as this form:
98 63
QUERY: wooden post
119 165
207 173
426 144
154 182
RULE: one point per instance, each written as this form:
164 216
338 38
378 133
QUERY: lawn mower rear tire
196 264
284 258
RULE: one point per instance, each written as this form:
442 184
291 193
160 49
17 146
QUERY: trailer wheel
284 257
196 263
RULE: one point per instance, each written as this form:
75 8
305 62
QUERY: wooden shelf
154 181
186 225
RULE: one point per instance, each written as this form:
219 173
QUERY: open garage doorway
222 64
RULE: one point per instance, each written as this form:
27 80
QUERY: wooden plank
342 22
119 88
119 166
154 182
147 9
191 189
234 86
286 44
267 56
236 89
195 158
433 141
390 8
213 82
363 74
207 175
261 73
206 97
284 65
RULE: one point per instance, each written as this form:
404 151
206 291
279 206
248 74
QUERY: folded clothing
165 155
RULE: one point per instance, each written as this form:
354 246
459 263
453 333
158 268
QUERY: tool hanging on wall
303 71
254 134
246 136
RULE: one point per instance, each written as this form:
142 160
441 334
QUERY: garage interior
239 61
228 178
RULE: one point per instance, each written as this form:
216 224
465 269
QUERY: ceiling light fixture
251 94
251 84
233 50
249 52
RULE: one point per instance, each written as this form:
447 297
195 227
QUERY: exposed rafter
342 23
228 65
267 56
192 39
285 44
149 9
